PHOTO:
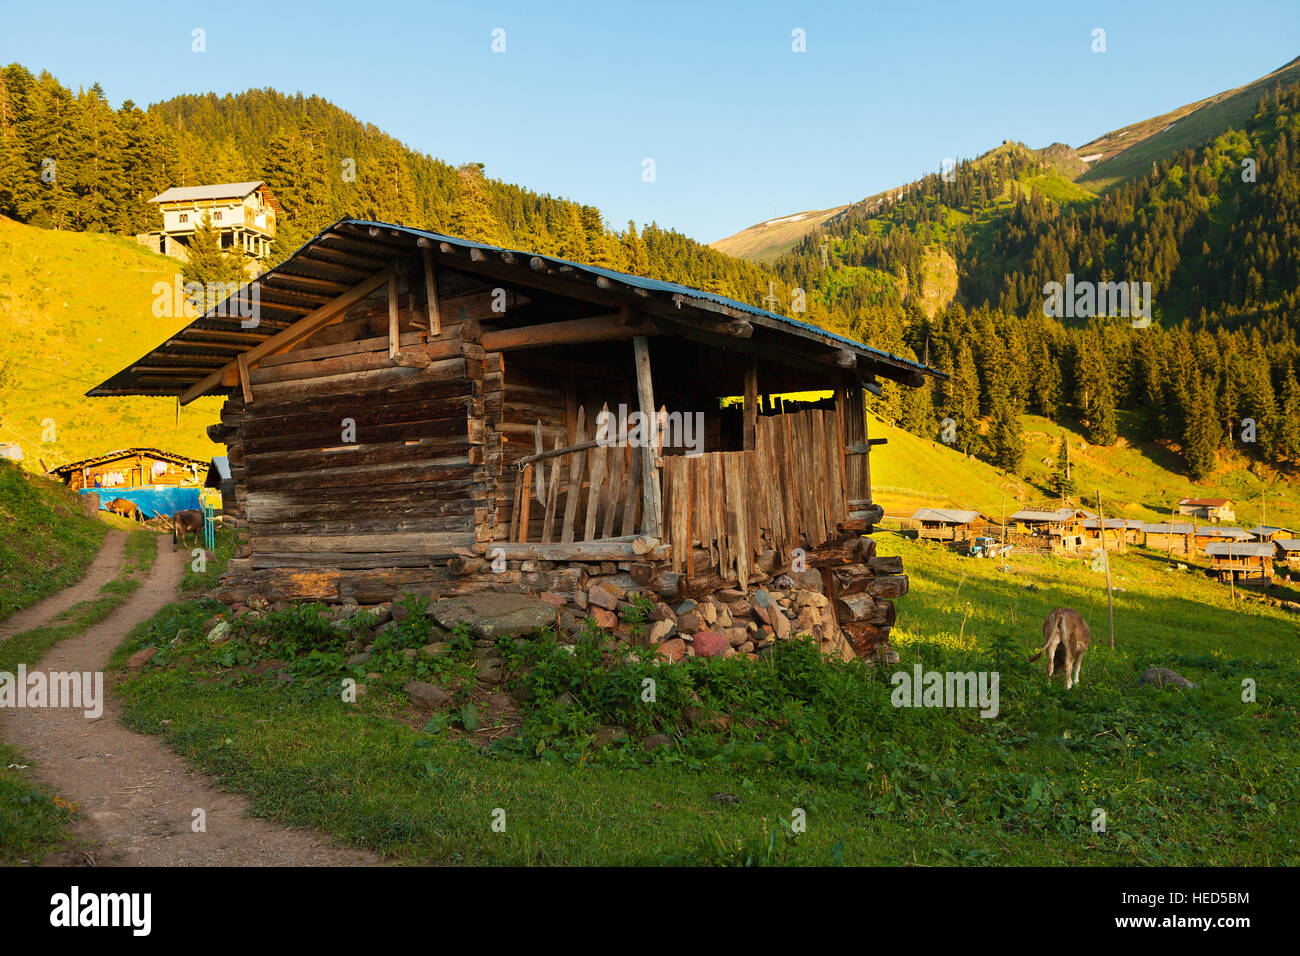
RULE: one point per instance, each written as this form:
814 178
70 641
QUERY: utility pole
1105 560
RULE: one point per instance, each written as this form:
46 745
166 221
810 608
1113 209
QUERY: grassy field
74 309
1187 777
1136 478
34 820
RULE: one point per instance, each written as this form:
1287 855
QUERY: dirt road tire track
136 796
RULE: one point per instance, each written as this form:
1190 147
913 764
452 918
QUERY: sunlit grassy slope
1136 479
75 308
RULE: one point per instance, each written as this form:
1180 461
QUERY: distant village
1236 554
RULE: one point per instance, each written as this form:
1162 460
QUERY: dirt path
136 796
107 562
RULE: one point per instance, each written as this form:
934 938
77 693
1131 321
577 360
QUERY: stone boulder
428 696
1164 677
711 644
490 614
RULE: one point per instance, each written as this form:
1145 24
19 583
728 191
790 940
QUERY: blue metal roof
640 282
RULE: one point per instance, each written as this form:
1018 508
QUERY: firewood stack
861 586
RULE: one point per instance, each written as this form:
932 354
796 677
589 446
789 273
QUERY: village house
1269 533
1055 531
131 468
1288 553
1242 560
1211 534
949 524
242 213
418 413
1210 509
1119 532
1176 538
157 482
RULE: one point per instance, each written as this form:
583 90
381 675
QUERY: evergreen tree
1062 481
208 263
471 214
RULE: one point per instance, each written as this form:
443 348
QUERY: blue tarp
152 500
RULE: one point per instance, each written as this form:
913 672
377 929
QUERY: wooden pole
751 403
1105 560
651 499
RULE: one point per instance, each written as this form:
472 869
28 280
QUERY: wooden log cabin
132 468
1055 531
950 524
408 409
1242 560
1174 537
1288 553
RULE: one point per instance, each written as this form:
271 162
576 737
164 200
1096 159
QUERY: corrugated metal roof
125 453
278 295
1265 529
1164 528
655 285
1244 549
214 191
946 515
1205 502
1215 531
1288 544
1061 514
1112 523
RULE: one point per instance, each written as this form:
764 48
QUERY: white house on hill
243 213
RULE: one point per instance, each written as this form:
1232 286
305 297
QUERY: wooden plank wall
408 491
788 493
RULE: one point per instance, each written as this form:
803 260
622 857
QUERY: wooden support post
751 403
394 345
651 499
244 383
431 292
1105 558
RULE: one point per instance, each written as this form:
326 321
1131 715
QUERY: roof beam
304 327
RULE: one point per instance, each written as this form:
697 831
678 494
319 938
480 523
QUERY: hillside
1137 479
74 309
1129 152
46 540
1096 166
766 241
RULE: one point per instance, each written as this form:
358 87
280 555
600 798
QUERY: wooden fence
789 492
582 492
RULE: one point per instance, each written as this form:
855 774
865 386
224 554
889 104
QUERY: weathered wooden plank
651 496
552 497
576 463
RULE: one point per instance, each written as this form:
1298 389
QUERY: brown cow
184 522
1065 641
126 508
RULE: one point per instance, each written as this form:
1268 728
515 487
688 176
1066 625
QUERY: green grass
46 540
74 309
33 819
1137 478
194 583
1196 777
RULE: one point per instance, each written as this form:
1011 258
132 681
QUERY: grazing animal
184 522
1065 641
126 508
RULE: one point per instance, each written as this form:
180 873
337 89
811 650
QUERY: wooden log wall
788 493
346 462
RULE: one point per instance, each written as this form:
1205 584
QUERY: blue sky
740 127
